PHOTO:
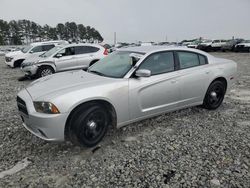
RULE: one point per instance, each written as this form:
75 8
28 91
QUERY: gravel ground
188 148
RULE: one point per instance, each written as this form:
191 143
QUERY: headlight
26 64
46 107
8 59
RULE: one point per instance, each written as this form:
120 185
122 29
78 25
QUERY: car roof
156 48
49 42
83 44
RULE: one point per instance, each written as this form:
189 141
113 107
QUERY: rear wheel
44 71
215 95
88 124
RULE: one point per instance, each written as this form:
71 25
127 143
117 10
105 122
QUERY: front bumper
49 127
30 70
10 63
202 47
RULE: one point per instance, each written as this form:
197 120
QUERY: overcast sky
140 20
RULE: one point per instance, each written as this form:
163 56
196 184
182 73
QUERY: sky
140 20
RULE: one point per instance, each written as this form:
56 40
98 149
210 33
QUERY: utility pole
166 39
114 38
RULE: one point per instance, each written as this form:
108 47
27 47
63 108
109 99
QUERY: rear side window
159 63
91 49
85 49
188 59
202 59
48 47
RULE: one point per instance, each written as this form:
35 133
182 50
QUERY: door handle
207 72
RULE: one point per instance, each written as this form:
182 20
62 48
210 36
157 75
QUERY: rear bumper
48 127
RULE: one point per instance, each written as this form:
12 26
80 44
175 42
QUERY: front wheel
215 95
88 124
44 71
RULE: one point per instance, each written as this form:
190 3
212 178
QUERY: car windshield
51 51
115 65
26 49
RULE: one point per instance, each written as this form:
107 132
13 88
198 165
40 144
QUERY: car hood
65 82
15 53
32 59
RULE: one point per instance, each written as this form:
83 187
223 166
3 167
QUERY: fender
48 63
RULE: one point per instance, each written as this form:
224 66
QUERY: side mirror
58 55
31 52
143 73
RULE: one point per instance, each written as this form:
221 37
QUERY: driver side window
67 51
36 49
159 63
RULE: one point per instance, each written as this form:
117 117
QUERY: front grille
21 105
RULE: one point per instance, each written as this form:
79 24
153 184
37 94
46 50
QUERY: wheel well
103 103
18 62
222 79
47 66
94 61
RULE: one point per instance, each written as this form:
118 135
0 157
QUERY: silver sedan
128 85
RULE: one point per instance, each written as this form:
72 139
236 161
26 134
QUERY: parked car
205 45
194 44
230 45
64 58
211 45
15 58
244 46
128 85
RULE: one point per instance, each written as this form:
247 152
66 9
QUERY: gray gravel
188 148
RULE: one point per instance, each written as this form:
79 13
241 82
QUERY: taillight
105 52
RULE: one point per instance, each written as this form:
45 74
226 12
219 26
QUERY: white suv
15 59
211 45
64 58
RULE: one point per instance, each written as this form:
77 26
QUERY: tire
18 63
44 71
88 125
214 95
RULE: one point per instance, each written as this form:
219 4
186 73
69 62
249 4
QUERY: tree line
26 31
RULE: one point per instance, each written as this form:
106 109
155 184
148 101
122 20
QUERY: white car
64 58
127 86
193 44
15 59
243 46
211 45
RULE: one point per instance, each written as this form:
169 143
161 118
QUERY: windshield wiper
96 72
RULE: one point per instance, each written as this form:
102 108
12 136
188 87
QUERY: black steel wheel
89 124
215 95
